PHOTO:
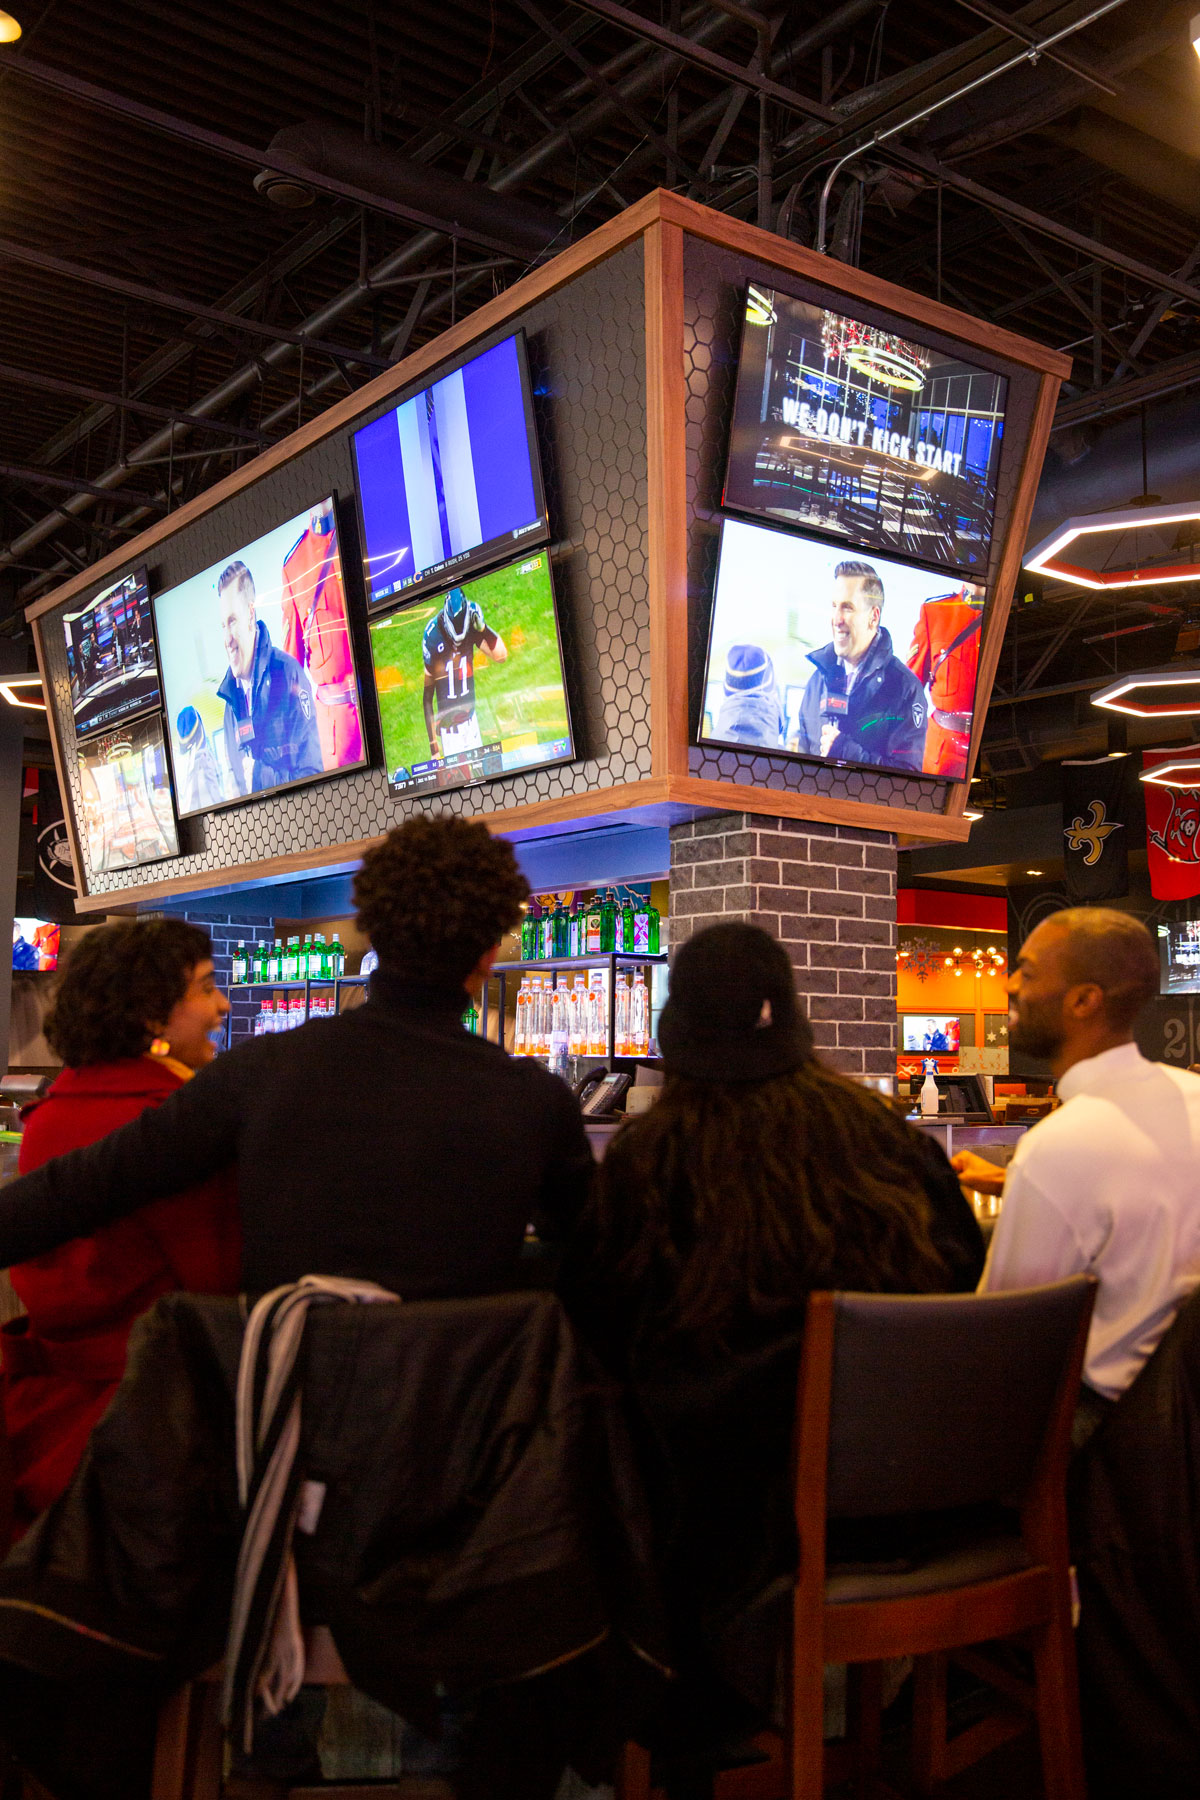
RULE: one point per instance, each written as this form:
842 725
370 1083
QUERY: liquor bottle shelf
598 959
247 987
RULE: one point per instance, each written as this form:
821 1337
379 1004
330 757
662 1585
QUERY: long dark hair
727 1200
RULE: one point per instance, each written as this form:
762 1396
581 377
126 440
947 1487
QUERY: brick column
829 893
226 933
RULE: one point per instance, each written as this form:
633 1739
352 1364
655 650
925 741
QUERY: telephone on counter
599 1091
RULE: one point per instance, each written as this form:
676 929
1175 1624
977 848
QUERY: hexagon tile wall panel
714 282
587 360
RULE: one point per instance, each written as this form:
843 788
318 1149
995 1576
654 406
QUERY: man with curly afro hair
388 1143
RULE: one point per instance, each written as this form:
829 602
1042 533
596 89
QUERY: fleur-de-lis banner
1172 834
1097 808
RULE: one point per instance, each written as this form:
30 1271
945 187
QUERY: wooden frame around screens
662 220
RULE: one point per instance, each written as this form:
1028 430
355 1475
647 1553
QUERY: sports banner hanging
1172 834
1096 813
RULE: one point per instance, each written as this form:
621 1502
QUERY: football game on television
929 1034
817 650
450 479
258 667
110 655
849 429
35 945
127 813
1179 957
470 682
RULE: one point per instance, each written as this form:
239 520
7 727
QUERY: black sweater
387 1144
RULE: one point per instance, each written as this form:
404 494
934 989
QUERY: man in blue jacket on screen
861 705
271 734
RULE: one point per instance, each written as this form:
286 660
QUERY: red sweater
62 1363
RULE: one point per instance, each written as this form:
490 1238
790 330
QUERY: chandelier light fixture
879 355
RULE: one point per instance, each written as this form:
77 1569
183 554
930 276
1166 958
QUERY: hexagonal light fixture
1171 693
18 690
1180 772
1135 546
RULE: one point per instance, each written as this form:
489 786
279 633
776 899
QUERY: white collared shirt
1109 1185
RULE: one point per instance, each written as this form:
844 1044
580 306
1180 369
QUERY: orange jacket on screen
949 678
314 609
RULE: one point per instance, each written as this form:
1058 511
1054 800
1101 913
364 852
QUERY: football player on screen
448 648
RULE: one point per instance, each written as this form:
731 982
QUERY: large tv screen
450 479
35 945
470 682
929 1034
110 655
125 783
846 428
819 651
1179 957
258 667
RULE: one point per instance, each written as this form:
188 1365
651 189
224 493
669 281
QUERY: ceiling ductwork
1095 468
469 209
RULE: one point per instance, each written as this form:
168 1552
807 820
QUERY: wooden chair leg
864 1718
189 1750
929 1723
1058 1710
633 1773
806 1724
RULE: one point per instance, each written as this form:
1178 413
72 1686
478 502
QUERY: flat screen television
111 658
929 1034
35 945
128 816
258 667
847 428
1179 957
816 650
451 479
470 681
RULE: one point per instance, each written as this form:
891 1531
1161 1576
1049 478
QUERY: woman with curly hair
132 1019
759 1177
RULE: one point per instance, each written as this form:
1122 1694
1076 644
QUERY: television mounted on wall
864 434
450 480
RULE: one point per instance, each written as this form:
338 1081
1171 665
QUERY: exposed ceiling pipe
244 380
471 210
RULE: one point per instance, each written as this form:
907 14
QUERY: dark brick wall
829 893
226 934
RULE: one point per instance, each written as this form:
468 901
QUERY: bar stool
920 1405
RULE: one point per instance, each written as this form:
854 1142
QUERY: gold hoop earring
159 1047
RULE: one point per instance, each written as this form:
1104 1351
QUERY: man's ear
1084 1001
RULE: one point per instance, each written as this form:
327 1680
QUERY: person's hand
976 1172
828 732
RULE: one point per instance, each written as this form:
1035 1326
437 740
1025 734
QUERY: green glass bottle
318 958
575 928
646 930
608 921
239 973
262 962
625 932
305 972
561 924
470 1019
530 932
276 961
337 958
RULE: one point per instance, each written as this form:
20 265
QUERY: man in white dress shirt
1109 1184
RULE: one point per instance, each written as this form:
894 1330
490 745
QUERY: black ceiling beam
1168 378
12 251
709 60
74 390
72 484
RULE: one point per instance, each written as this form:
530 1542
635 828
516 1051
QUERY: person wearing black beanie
759 1176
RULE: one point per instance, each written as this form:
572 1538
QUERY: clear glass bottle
521 1017
295 1011
597 1029
621 1038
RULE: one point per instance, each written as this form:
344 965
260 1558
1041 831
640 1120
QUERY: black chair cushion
985 1560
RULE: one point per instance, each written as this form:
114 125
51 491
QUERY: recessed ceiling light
1033 871
10 28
